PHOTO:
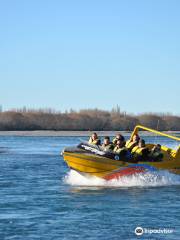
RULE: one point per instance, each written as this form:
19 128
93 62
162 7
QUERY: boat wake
148 179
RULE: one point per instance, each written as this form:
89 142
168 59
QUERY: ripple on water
41 199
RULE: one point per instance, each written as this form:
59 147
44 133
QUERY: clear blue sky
86 54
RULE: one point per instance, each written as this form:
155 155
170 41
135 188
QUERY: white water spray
150 179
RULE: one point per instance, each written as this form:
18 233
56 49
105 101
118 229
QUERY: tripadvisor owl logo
139 231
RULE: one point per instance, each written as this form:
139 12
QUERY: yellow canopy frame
139 127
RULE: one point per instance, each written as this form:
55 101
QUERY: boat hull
91 164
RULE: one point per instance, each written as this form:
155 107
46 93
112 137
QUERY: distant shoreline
46 133
59 124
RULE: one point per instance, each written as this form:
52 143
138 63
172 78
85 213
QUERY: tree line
86 119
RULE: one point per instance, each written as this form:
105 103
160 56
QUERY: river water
41 199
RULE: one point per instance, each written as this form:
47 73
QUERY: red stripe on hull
124 172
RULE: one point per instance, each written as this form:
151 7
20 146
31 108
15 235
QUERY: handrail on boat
136 130
138 127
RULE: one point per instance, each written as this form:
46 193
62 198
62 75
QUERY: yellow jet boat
92 160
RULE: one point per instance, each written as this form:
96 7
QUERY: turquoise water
41 199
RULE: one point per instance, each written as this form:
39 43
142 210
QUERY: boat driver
94 140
